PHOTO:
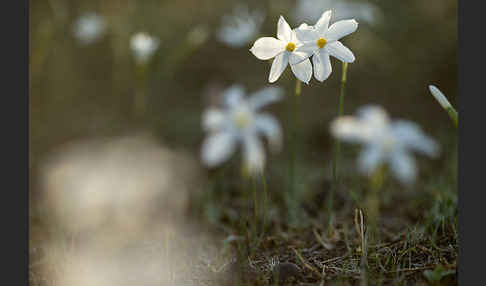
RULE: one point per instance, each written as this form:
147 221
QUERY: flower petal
284 32
323 23
410 134
340 29
374 116
267 47
278 66
370 159
269 127
350 129
213 119
440 97
234 95
403 167
338 50
305 33
253 154
303 71
299 56
264 96
322 65
217 148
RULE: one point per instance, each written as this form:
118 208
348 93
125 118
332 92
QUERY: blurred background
86 76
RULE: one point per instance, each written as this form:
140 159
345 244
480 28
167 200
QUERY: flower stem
139 107
337 147
453 115
373 201
255 206
265 201
291 203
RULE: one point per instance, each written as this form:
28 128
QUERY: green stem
265 200
373 201
293 154
140 105
337 147
453 115
255 203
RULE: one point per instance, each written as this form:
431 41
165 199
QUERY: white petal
308 48
374 116
278 66
234 95
322 65
217 148
264 96
410 134
253 154
349 129
284 32
267 47
341 29
299 56
306 33
213 119
369 160
303 71
439 96
403 167
323 22
338 50
269 127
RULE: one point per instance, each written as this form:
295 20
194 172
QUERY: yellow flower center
290 47
388 144
321 42
242 119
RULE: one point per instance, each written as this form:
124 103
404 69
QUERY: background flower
89 28
143 46
239 28
310 10
239 121
385 142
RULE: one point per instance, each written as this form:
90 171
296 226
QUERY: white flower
285 49
310 10
322 40
238 121
439 96
89 28
241 27
384 141
143 46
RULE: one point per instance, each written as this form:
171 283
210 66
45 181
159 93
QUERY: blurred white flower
240 121
143 46
440 97
322 41
285 49
306 10
89 28
384 141
241 27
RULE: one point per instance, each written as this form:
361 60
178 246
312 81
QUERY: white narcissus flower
239 121
241 27
322 41
89 28
384 141
143 46
285 49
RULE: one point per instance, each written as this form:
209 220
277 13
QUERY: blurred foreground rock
117 213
